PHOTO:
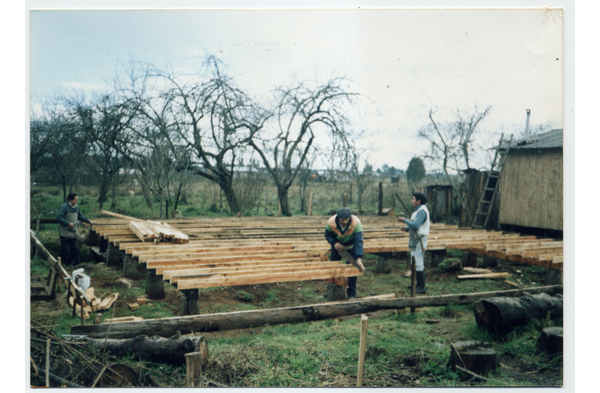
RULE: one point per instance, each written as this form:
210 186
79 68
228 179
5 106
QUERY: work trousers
419 254
335 256
68 245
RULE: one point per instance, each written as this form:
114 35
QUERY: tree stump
113 256
155 286
437 256
489 262
129 266
554 277
478 357
469 259
188 303
500 315
335 292
103 245
551 340
383 265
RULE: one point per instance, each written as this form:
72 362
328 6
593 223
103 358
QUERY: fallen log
500 315
167 327
156 349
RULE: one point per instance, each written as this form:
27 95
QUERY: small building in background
531 184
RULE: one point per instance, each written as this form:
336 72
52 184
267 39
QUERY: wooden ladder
488 194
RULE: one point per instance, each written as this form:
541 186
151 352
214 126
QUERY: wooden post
193 369
362 349
380 209
413 274
48 362
310 203
344 199
383 265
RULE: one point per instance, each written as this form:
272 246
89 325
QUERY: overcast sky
405 60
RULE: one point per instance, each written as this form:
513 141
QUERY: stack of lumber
247 250
152 231
155 231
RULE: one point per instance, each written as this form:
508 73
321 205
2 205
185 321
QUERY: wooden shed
531 184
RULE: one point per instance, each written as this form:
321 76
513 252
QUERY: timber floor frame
258 250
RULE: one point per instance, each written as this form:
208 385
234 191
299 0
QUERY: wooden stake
362 349
48 362
193 369
310 203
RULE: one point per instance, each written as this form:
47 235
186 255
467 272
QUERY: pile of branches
58 361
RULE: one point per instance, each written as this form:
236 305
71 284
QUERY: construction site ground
403 349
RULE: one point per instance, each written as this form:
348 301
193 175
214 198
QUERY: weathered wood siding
531 189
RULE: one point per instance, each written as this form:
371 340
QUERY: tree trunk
155 349
282 194
167 327
177 197
500 315
380 205
147 196
64 187
230 196
102 191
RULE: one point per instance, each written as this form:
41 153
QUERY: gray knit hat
344 212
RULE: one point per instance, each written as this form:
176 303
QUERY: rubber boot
420 283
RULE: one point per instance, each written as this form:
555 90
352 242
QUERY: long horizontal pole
167 327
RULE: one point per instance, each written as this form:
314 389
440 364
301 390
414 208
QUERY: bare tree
451 144
103 122
363 179
215 121
56 146
302 114
163 174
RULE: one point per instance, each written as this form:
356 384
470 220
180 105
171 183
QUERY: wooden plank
346 271
483 276
175 276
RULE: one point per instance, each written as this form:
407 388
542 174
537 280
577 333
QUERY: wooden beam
167 327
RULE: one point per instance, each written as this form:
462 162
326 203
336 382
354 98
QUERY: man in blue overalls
69 216
418 228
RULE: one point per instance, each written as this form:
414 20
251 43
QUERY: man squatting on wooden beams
344 232
69 216
418 230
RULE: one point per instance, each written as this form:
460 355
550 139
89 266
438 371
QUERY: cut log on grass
500 315
155 349
167 327
477 357
483 276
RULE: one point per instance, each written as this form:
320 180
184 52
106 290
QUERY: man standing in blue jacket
69 216
344 230
418 230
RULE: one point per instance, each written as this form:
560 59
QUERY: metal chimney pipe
527 126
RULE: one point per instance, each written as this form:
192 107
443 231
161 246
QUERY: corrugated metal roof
548 140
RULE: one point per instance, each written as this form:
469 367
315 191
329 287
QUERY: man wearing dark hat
418 228
344 230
